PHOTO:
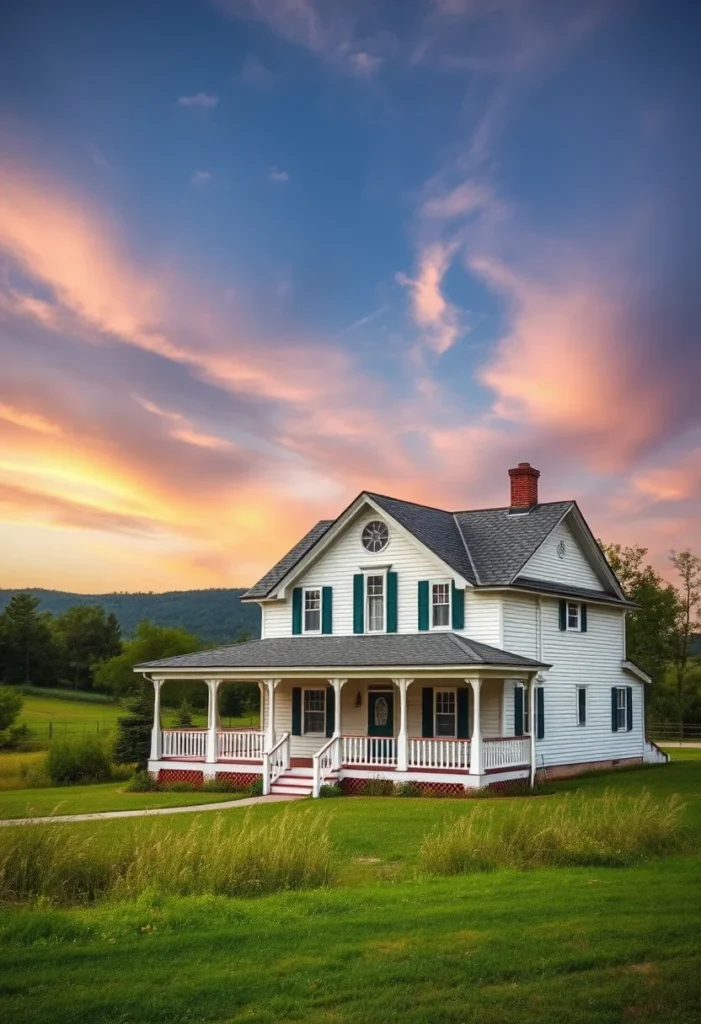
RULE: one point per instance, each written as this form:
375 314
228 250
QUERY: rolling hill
215 615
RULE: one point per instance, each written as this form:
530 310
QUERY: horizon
258 256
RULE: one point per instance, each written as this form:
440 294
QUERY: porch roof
396 650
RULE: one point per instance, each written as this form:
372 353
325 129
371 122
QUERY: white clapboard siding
483 620
336 568
574 568
591 659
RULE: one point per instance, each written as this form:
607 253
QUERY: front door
380 713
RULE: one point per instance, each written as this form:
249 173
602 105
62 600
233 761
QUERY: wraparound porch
434 731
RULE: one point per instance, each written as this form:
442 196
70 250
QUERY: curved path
223 805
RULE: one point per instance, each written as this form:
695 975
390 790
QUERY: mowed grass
107 796
576 946
387 944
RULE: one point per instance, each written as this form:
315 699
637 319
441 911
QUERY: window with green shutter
423 604
358 603
458 607
327 610
392 602
297 611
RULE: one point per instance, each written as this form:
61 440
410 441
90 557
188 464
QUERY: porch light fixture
358 699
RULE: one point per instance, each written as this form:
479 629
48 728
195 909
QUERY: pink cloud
435 315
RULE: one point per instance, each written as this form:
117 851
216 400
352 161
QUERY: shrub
18 737
378 787
10 706
178 787
612 830
408 789
217 786
255 788
68 866
74 759
141 782
330 790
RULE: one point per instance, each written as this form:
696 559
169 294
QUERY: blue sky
256 255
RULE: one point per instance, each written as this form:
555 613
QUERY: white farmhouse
451 649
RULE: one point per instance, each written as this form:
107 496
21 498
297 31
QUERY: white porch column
337 733
270 686
476 743
156 730
212 721
402 735
263 710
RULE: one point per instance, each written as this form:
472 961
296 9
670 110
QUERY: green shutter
327 610
540 699
297 611
296 710
583 618
629 708
423 606
463 725
427 712
458 607
563 614
330 710
518 710
391 602
614 708
358 603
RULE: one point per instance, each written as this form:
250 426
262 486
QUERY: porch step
294 784
277 790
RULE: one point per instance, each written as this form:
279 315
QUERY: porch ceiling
386 652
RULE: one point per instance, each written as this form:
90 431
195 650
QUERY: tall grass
67 867
611 830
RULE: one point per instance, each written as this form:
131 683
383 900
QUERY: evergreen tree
113 637
183 716
30 652
133 744
88 637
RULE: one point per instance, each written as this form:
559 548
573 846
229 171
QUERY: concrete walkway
222 805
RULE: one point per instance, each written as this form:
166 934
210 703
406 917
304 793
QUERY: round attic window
562 549
375 536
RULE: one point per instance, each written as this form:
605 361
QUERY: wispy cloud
433 312
254 72
200 101
200 178
278 175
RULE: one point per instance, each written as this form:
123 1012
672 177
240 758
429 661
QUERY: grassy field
573 945
55 715
107 796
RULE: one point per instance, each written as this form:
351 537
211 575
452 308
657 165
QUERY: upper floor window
375 536
312 610
573 615
440 605
314 708
375 603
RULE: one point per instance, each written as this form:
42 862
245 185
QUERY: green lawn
108 796
570 945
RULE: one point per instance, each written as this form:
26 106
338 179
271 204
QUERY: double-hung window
312 610
526 709
581 705
440 605
445 713
573 615
621 708
375 603
314 712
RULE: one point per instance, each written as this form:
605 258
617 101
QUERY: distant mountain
216 615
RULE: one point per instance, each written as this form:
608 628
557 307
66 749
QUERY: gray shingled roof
565 590
408 650
501 543
487 547
263 587
435 528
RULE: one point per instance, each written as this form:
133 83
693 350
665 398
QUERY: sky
259 255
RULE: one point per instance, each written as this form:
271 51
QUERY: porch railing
373 751
275 762
240 744
447 754
184 742
324 762
506 753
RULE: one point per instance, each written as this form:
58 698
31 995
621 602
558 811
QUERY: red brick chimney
524 485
